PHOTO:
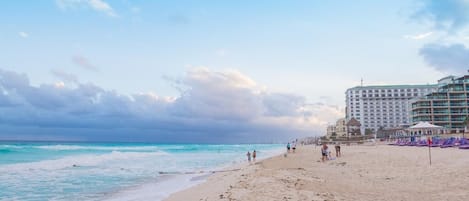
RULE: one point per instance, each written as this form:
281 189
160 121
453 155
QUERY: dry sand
363 172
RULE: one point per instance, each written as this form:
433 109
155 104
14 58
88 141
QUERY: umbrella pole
429 151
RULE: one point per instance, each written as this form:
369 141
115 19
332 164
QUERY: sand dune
362 173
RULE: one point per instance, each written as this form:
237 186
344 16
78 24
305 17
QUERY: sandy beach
363 172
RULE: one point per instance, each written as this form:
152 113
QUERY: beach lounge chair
448 143
464 143
436 143
422 143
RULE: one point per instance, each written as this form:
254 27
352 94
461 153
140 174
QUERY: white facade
383 106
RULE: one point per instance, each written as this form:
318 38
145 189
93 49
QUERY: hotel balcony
458 97
440 121
421 105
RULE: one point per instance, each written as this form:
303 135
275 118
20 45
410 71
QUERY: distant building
353 127
447 107
331 133
344 129
384 106
341 128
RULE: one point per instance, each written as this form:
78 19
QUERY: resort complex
389 109
382 106
446 107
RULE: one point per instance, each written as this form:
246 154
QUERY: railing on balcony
440 112
457 88
458 119
458 104
458 97
440 105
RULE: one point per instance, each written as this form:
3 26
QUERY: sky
211 71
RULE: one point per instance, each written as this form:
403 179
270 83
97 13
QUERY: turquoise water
93 171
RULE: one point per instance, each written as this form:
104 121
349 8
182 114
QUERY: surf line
201 172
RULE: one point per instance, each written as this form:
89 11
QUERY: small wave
7 146
103 148
80 161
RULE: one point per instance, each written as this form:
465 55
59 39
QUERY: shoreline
168 183
364 172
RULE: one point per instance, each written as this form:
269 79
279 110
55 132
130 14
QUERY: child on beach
288 147
324 152
254 156
249 156
337 150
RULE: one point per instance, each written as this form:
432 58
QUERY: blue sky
280 67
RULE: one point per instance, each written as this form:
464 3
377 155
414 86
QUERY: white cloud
449 16
23 34
225 106
450 58
418 36
59 85
97 5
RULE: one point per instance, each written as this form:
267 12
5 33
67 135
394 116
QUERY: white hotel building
383 106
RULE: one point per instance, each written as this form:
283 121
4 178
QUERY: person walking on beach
293 146
249 156
254 156
324 152
337 150
288 147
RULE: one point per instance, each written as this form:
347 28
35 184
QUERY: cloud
219 107
23 34
84 63
64 76
418 36
452 58
446 15
97 5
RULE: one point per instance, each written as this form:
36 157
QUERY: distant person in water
249 156
337 150
324 152
288 147
254 156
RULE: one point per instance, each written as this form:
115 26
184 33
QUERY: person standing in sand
324 152
288 147
249 156
254 156
337 150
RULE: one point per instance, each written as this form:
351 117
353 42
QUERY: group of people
291 147
253 156
326 153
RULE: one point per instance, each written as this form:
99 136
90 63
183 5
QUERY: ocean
112 171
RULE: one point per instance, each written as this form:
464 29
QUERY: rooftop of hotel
395 86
